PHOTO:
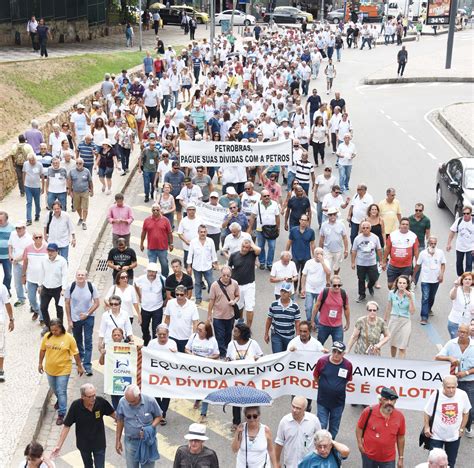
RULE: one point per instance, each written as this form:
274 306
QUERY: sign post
452 27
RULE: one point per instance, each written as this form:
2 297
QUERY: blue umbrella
240 396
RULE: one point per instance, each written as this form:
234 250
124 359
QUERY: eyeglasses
265 196
418 211
21 227
179 294
337 285
327 170
115 304
252 416
38 237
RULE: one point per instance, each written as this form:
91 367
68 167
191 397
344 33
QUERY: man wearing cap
190 193
19 239
160 238
333 239
151 293
195 454
52 283
58 229
283 319
332 373
175 177
380 432
230 196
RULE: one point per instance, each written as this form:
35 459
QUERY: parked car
336 16
283 16
455 185
240 18
296 11
174 14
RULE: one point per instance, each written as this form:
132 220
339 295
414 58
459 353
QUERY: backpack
20 155
325 296
73 286
459 222
50 218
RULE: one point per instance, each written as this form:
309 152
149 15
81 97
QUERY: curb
454 132
419 79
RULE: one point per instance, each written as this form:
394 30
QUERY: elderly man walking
195 454
81 187
138 417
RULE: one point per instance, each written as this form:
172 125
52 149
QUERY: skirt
400 331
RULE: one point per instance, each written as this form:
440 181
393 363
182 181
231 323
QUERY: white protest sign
210 215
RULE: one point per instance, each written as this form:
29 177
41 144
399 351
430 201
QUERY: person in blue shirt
214 124
250 133
327 452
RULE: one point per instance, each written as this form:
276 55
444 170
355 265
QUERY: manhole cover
101 265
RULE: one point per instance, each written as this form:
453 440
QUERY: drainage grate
101 265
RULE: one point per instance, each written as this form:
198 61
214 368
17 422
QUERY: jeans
7 272
162 257
131 446
32 194
330 418
319 208
174 98
279 343
61 197
354 231
165 101
164 404
453 329
291 177
338 54
148 179
428 294
309 302
365 40
368 463
82 331
304 87
58 385
198 277
344 176
45 298
460 261
93 458
154 317
124 157
204 407
64 252
223 332
451 449
31 289
367 271
268 258
330 51
468 387
315 68
324 331
196 72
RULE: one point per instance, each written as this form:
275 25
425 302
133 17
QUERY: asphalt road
399 147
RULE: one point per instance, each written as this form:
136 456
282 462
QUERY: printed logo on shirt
449 413
97 415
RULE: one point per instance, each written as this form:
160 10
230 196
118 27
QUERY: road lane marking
388 117
421 146
412 137
458 154
403 130
383 112
395 123
432 156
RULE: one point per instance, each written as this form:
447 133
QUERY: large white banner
120 367
210 215
179 375
235 153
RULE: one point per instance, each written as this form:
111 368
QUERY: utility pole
234 6
321 13
452 27
140 40
213 27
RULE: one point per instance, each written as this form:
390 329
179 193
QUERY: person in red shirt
380 433
402 247
160 237
332 304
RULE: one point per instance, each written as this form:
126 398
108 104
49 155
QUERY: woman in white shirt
203 343
111 319
343 127
126 292
99 132
319 136
462 310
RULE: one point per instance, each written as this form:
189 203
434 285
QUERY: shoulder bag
235 306
423 440
269 231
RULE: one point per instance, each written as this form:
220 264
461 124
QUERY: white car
240 18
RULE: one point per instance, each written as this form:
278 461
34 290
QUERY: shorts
186 86
106 172
179 207
2 339
247 297
393 272
80 200
334 259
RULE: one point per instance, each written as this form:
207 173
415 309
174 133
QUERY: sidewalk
459 120
170 35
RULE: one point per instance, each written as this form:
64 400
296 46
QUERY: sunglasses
467 213
327 170
38 237
337 285
265 196
115 304
179 294
252 416
418 211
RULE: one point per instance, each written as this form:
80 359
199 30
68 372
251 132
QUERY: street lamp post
140 25
213 27
452 27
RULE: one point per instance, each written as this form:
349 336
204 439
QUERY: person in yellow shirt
390 211
57 348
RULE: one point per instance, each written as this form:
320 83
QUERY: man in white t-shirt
316 275
333 240
323 186
19 239
233 241
346 152
5 306
450 417
437 458
333 199
283 271
464 227
188 229
358 210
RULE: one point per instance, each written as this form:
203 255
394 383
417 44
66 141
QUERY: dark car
282 15
455 185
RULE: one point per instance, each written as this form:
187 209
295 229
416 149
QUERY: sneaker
198 301
423 322
108 192
60 420
469 432
262 267
89 373
360 299
371 291
203 419
163 422
84 226
37 218
269 267
147 199
18 303
2 375
79 222
41 322
34 316
431 313
29 223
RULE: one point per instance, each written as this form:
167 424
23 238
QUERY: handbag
269 232
423 440
235 306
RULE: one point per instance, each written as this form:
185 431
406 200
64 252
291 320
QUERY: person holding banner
181 316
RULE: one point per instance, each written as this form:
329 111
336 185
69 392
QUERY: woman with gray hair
327 452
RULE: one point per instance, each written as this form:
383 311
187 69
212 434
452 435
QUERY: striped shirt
303 171
283 318
86 152
5 232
